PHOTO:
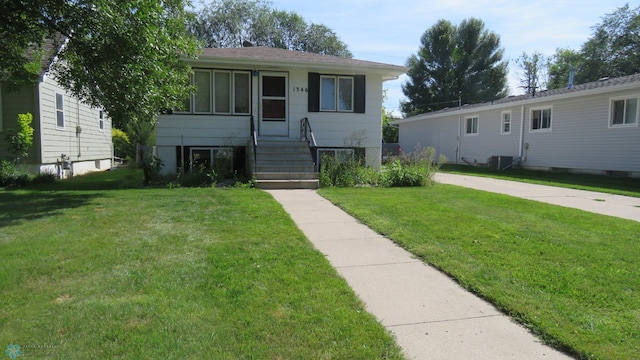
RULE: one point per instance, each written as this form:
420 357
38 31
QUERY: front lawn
95 269
572 277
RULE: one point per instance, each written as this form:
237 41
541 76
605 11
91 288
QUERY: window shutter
314 92
359 94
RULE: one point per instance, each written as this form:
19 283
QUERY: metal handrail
306 133
254 140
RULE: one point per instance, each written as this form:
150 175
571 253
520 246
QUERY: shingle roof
262 54
604 84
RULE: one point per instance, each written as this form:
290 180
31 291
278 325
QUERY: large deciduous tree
613 50
463 61
126 56
229 23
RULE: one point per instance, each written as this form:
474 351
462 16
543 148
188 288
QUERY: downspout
521 133
78 128
458 138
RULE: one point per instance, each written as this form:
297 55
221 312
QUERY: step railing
306 134
254 143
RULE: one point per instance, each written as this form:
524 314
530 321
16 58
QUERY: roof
600 86
46 52
267 56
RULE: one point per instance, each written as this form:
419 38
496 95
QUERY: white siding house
275 89
62 124
589 128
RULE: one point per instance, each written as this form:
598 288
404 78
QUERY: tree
230 23
560 66
126 57
534 69
389 132
614 48
21 139
453 62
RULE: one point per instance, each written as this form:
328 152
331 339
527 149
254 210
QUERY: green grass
606 184
96 268
572 277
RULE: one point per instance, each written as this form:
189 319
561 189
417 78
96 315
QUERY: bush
10 176
410 169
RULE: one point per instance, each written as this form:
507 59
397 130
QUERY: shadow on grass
16 207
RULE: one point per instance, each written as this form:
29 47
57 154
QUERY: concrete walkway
431 316
606 204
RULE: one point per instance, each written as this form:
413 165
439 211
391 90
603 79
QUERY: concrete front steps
284 164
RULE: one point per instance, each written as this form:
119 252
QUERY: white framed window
471 125
101 120
623 111
241 93
541 119
505 127
59 110
202 97
205 157
336 93
220 92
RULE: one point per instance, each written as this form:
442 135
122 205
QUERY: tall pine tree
453 62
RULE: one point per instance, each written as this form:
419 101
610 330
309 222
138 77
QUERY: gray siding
440 134
580 138
81 138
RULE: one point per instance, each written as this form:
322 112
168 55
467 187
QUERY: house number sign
300 89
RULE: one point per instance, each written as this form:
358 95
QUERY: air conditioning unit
500 162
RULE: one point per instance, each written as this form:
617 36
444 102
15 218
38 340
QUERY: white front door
274 109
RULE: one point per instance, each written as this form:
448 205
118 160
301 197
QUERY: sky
389 31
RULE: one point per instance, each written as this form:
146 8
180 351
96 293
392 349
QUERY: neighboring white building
275 89
62 124
589 128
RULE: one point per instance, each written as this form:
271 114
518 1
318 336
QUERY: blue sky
389 31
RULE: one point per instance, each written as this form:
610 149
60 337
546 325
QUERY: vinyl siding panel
81 138
580 138
440 134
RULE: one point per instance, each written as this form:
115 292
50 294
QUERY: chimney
572 74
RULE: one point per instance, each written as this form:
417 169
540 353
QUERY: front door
274 110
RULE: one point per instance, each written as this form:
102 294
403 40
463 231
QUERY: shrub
410 169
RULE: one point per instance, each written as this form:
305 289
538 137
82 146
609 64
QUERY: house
587 128
273 113
70 137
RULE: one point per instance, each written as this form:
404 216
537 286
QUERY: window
341 155
205 157
340 93
59 110
241 88
220 92
624 111
336 93
222 97
506 123
202 97
471 125
541 119
101 120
